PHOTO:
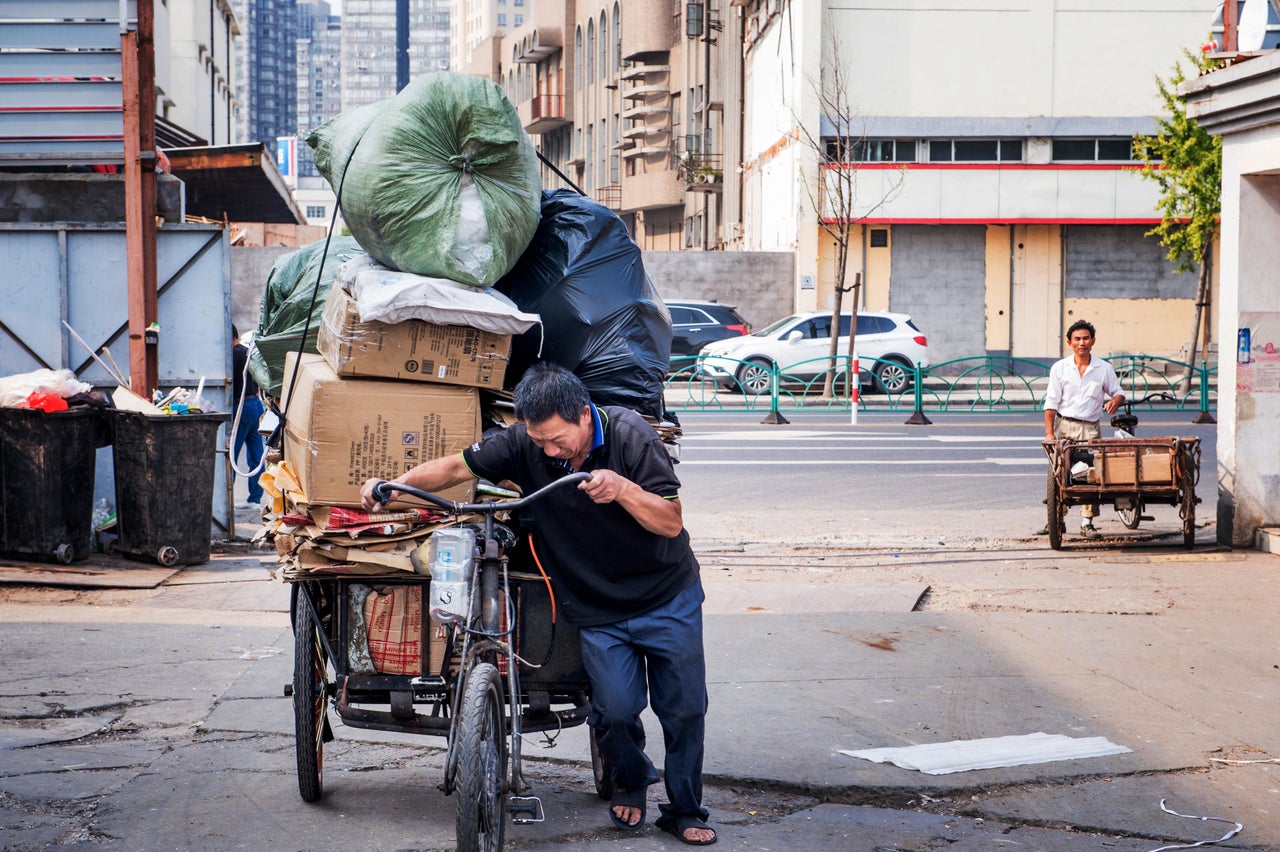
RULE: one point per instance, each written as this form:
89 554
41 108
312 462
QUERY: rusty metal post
139 68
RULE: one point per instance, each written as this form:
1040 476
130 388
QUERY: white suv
890 345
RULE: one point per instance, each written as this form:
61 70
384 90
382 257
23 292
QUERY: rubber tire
893 377
1131 517
1188 511
309 696
482 762
754 371
1055 514
601 770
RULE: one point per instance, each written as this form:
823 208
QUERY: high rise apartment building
369 46
267 88
319 90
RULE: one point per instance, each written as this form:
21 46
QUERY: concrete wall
757 283
250 266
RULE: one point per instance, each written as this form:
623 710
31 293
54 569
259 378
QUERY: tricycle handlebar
384 490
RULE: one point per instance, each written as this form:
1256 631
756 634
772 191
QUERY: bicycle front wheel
482 762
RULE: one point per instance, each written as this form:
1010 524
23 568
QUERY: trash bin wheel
64 553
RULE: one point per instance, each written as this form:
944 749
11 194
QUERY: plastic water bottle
1244 344
451 554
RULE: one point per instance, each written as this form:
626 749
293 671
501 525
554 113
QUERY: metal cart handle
383 492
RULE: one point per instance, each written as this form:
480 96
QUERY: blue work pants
661 649
247 436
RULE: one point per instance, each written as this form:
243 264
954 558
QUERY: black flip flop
628 799
677 826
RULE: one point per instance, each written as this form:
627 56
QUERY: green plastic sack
440 180
288 295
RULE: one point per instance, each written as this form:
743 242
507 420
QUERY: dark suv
696 323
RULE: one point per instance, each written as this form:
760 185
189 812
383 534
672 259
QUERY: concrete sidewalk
166 727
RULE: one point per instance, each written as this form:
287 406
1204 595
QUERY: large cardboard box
1120 466
412 350
341 432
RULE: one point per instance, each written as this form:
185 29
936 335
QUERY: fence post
917 417
1204 416
774 417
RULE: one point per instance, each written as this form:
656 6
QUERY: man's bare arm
656 514
435 475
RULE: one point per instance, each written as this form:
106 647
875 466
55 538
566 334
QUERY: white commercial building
996 196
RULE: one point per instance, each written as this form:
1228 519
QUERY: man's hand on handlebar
368 500
1112 405
604 486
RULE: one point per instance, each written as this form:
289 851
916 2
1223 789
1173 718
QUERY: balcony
610 196
546 113
701 172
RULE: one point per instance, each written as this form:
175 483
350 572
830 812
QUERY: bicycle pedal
428 687
525 809
1148 517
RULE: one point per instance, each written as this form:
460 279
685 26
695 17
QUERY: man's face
1080 341
561 439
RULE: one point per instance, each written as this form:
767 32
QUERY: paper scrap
990 753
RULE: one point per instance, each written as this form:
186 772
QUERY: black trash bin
46 483
164 472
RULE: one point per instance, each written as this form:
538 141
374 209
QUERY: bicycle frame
483 635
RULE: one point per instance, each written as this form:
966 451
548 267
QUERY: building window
1120 149
975 150
502 20
519 19
316 211
879 238
577 58
871 150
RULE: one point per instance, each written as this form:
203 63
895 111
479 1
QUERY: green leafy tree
1185 161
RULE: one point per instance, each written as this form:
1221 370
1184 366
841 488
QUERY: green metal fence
974 384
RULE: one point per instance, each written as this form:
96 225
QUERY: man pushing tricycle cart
607 558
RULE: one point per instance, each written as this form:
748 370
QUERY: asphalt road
867 585
965 480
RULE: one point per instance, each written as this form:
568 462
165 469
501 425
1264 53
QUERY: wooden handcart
1129 473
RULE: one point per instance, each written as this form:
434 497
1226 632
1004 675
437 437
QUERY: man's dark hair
548 389
1081 324
235 332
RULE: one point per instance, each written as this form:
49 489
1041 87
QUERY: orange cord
550 592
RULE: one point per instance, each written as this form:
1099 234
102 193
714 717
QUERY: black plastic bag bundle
601 316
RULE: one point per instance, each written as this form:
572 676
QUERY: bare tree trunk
842 257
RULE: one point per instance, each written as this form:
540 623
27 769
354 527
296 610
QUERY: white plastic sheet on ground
385 295
990 753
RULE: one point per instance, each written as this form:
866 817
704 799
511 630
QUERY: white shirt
1078 396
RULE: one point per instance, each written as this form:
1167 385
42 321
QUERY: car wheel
754 376
893 377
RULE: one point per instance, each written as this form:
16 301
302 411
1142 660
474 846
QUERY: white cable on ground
235 426
1239 827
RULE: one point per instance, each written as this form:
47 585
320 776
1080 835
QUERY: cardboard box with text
341 432
412 350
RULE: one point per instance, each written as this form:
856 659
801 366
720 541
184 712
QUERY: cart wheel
1131 517
601 769
482 762
1055 514
308 704
1189 511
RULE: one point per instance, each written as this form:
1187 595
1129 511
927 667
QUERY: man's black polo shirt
605 567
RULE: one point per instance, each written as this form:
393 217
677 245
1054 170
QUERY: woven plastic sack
288 295
440 180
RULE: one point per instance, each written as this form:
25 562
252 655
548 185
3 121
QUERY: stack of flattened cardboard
380 398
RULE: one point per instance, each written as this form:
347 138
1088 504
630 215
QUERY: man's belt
1076 420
